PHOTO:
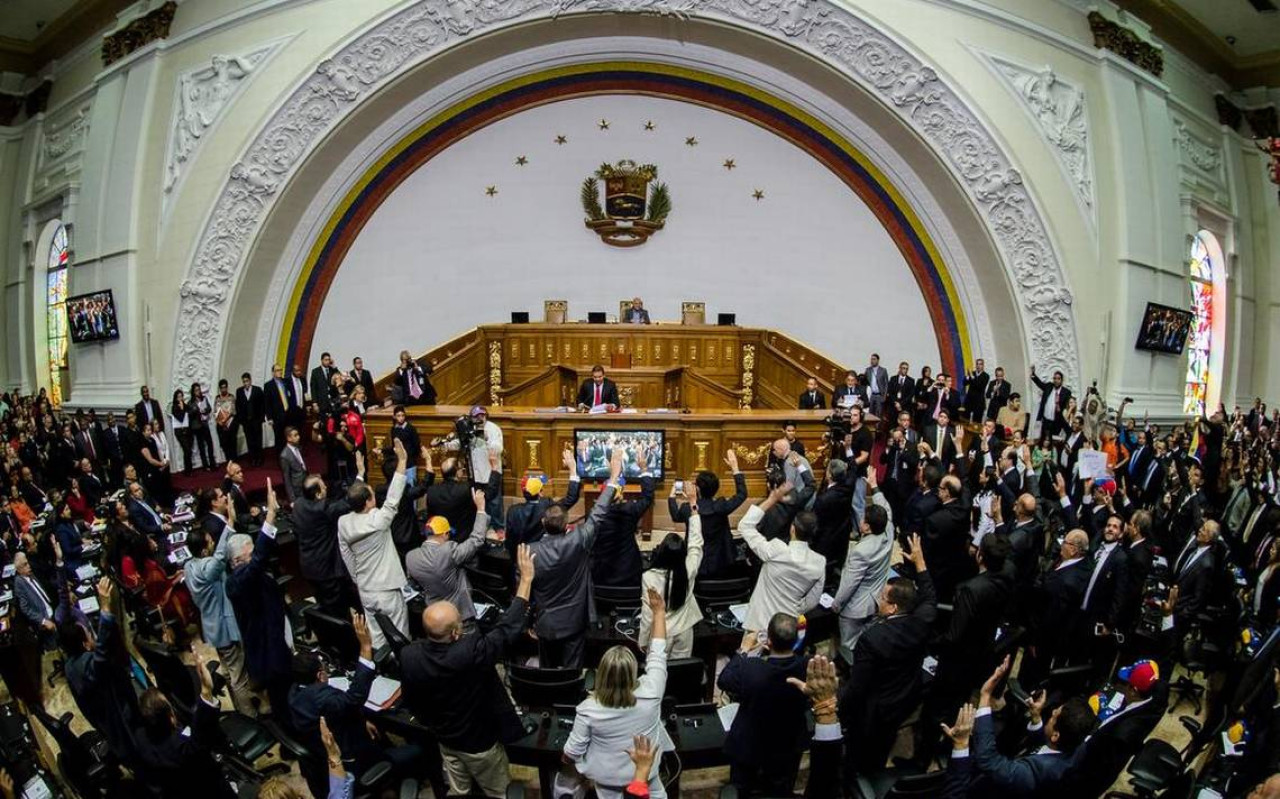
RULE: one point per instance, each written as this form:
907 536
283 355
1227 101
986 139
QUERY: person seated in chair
636 314
178 761
597 391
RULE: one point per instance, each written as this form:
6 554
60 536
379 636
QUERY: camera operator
477 437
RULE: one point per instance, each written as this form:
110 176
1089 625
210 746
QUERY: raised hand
917 552
819 683
569 461
963 728
397 446
425 452
524 559
273 504
989 687
106 591
642 754
202 669
331 750
656 603
642 460
363 636
477 497
731 460
615 465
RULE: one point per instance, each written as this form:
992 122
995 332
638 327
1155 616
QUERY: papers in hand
180 555
930 665
178 537
481 609
9 571
382 695
739 612
1092 464
410 592
598 409
89 604
87 572
727 714
826 600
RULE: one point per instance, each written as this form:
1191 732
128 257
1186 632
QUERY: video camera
838 426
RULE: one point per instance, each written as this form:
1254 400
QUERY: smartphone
679 486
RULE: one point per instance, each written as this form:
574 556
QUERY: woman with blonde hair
340 783
622 706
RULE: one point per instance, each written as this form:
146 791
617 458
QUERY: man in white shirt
369 552
791 575
487 438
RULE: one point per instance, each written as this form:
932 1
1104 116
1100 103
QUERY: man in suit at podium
599 390
812 398
636 314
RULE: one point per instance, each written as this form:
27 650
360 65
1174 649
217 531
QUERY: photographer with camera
476 437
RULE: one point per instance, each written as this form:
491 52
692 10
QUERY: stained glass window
56 315
1200 339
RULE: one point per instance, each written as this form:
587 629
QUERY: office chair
617 598
543 688
395 639
85 761
1158 766
686 681
720 594
335 636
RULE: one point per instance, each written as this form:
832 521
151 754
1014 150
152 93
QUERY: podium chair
693 313
555 312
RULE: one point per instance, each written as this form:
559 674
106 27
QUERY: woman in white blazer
621 707
675 567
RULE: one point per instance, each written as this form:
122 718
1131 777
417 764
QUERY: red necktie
597 394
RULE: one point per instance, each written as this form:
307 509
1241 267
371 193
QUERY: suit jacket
251 409
997 396
315 523
1105 602
1046 410
945 539
34 602
859 394
833 508
320 386
975 394
145 519
364 542
146 410
978 608
884 686
988 773
902 394
562 584
1194 579
632 316
295 473
343 711
280 399
1026 542
182 764
616 557
205 580
260 614
364 378
809 401
608 393
1116 740
882 379
405 530
716 534
946 454
769 730
524 521
454 689
439 566
452 500
1055 609
791 577
104 692
866 570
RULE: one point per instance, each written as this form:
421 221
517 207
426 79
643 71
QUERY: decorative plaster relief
1203 155
203 96
821 27
1059 110
62 142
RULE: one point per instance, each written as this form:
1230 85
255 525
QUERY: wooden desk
534 438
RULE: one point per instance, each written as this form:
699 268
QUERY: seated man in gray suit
636 314
439 564
562 587
292 466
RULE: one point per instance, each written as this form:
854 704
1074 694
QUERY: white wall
440 256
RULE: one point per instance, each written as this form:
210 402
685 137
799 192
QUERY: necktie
597 402
415 390
43 596
88 445
938 407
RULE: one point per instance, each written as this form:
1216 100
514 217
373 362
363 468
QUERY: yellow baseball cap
438 525
533 486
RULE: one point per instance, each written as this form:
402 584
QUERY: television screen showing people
594 448
1164 329
92 317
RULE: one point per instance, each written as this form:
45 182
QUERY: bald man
1056 602
1026 540
451 685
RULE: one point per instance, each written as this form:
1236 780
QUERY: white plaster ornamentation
1059 111
1200 153
203 95
820 27
62 143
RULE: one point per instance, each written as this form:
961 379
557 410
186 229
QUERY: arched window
1205 274
56 312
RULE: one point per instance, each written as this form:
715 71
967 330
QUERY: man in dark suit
833 510
984 451
180 762
280 402
34 601
1193 578
259 609
599 390
91 484
636 314
406 532
974 405
1140 556
997 393
145 518
359 376
321 383
315 523
99 678
298 382
1025 533
719 552
292 466
113 434
524 520
922 502
1056 744
615 559
1054 398
946 540
875 380
452 686
451 498
902 391
1102 609
884 686
900 459
1055 609
769 733
251 412
943 397
939 439
1121 735
563 585
242 512
89 444
812 398
148 409
850 393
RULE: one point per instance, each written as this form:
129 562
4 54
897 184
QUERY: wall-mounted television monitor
1164 329
92 317
594 448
